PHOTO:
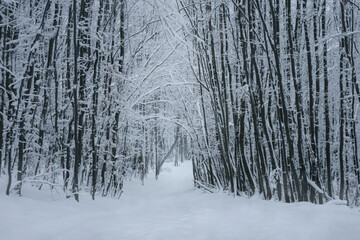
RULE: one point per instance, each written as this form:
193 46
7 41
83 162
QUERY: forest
262 96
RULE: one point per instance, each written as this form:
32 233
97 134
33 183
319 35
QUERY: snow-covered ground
170 209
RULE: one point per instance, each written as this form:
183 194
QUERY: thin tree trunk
75 186
326 101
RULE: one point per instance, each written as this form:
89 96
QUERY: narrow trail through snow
170 209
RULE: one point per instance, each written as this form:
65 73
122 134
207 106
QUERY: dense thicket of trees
279 96
84 94
262 95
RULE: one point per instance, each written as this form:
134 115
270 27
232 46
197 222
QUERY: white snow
170 209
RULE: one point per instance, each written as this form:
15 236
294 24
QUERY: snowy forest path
170 208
